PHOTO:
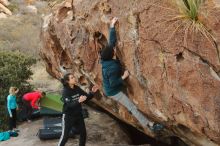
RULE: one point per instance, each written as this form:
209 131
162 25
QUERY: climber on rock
113 78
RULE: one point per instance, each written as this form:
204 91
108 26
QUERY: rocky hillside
173 59
21 30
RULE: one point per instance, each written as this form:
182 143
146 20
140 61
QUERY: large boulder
174 68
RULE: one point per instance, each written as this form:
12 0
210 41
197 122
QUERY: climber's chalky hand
113 21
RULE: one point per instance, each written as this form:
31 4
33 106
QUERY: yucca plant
189 17
190 8
190 12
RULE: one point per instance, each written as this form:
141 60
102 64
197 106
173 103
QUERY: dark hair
65 79
101 39
43 93
107 53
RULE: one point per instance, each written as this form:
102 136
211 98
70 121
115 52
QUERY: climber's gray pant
125 101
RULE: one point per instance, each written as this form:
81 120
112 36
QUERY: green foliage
191 14
13 7
15 70
190 8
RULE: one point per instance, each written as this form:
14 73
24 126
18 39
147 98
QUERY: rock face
174 68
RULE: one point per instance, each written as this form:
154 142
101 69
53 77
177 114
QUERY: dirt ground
101 131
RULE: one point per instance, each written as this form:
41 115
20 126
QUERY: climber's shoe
156 127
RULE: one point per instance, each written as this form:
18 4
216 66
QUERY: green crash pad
52 102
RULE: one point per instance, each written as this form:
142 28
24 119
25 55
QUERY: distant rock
4 2
30 9
4 9
3 15
29 2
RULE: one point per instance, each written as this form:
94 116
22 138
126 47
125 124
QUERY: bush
192 13
15 70
13 7
190 8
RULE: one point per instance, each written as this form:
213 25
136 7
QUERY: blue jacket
112 38
111 76
11 103
111 70
4 136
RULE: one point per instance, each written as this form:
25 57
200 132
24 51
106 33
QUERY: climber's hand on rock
95 88
82 98
113 21
125 75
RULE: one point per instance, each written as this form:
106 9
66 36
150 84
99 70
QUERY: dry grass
22 30
21 34
42 80
190 10
187 16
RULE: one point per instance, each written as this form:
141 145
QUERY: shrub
13 7
15 70
190 8
192 13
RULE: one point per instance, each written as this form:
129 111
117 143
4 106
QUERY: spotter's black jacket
70 97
